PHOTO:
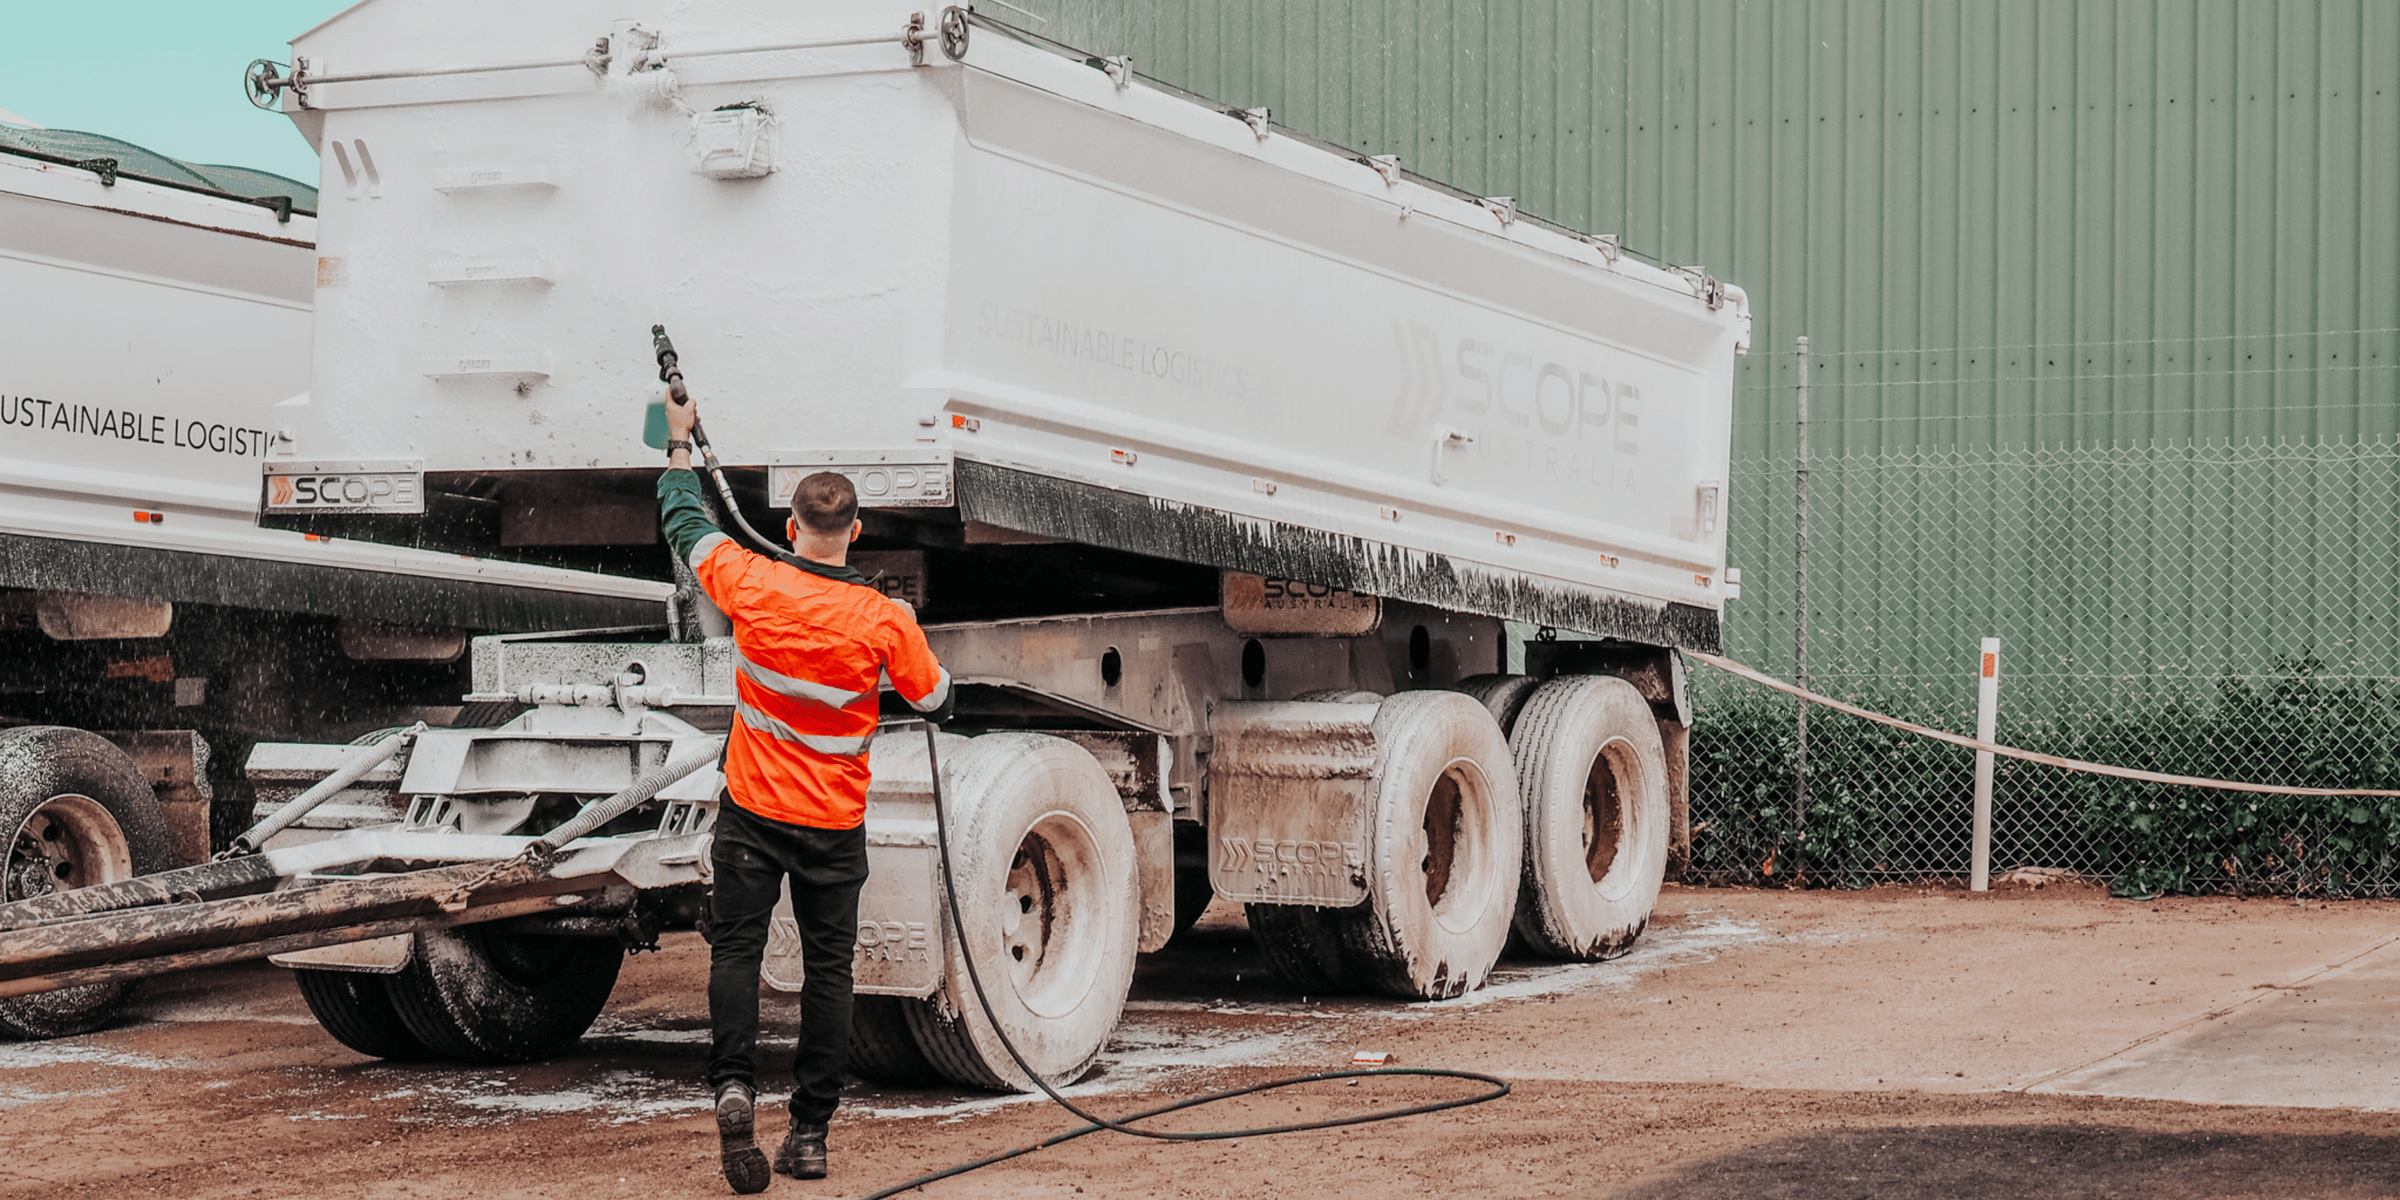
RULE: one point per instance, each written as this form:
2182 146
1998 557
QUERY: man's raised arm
680 511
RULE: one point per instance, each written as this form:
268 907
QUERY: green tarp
134 160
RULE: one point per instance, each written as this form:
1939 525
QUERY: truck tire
882 1048
481 994
1193 892
1504 695
74 811
356 1008
1443 864
1594 775
1303 946
1048 893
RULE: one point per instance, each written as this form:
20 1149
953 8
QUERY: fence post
1800 605
1987 721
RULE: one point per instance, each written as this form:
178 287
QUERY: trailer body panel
1060 287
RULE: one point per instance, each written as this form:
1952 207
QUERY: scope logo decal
1292 857
350 487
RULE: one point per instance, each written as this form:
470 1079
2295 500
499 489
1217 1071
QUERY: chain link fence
2225 611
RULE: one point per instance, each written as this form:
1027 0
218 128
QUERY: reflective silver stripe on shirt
934 698
839 747
701 548
798 689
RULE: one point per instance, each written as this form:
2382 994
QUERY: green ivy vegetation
1886 804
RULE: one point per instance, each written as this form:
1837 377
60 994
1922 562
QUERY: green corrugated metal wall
2001 222
1908 176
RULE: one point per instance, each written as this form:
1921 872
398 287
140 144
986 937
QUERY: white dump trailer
157 336
1216 461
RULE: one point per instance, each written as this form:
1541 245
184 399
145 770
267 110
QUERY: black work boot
737 1114
803 1153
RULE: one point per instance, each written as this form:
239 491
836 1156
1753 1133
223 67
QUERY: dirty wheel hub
68 841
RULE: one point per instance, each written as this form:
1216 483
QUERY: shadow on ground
2054 1163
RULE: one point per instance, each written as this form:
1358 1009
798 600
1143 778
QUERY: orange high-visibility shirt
811 651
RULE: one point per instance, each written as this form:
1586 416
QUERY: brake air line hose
1125 1124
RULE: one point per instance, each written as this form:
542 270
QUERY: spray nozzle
668 372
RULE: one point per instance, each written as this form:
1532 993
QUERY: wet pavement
1750 1040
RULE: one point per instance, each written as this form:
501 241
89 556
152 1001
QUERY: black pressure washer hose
941 828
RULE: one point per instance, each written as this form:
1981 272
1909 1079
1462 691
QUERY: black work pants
752 856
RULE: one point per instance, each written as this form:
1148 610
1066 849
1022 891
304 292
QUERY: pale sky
163 74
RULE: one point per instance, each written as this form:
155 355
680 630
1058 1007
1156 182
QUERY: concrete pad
1922 989
2330 1041
1754 1046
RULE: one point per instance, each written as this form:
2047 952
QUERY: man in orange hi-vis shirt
812 640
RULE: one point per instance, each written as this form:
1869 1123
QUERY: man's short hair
825 503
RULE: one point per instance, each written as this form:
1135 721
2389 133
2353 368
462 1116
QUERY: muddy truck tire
1193 892
1303 946
356 1008
1442 870
883 1050
1594 777
1503 695
1047 891
486 995
74 811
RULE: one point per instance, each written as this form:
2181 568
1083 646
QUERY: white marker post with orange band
1987 718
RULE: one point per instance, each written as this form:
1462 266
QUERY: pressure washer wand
670 372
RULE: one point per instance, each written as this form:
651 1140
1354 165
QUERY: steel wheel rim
1609 818
1051 898
1454 822
68 841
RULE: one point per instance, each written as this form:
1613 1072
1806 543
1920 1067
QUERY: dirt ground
1901 1042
